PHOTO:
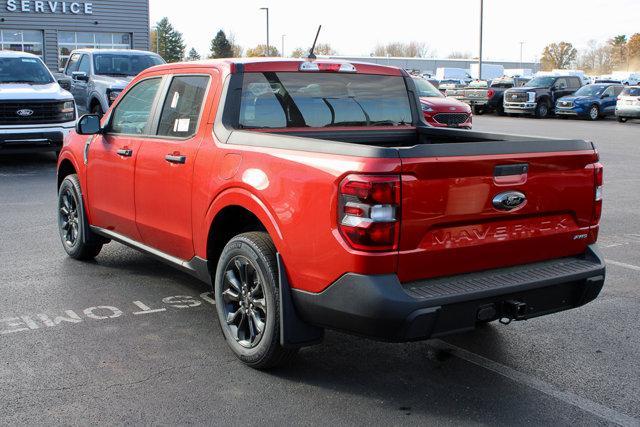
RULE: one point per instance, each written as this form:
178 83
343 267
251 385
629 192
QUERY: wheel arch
233 212
66 167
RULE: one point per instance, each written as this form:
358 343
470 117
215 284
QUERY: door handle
125 152
175 158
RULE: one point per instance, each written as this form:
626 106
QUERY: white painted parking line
623 264
600 411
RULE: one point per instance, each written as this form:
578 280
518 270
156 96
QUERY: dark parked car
490 99
540 95
590 101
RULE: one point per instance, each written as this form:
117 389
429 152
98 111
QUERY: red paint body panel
448 224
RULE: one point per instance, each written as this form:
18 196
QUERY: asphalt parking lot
126 339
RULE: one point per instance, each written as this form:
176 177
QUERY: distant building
430 65
52 29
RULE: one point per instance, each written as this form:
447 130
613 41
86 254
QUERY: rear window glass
298 99
631 91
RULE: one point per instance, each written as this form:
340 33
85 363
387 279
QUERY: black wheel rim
68 217
244 302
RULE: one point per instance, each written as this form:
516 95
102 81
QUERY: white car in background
628 105
35 112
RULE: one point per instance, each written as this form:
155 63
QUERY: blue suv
590 101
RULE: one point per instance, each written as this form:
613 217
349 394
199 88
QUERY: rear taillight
597 206
490 93
368 211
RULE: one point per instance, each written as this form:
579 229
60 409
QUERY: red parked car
441 111
312 195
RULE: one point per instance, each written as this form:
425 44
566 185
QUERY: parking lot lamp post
480 53
266 9
521 43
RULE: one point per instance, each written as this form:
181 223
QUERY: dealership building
52 29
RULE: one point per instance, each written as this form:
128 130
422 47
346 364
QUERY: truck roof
261 64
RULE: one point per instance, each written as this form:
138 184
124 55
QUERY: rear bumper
33 139
628 111
381 307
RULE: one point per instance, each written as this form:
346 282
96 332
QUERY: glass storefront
69 40
22 40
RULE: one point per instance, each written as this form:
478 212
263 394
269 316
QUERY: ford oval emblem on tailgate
25 112
509 200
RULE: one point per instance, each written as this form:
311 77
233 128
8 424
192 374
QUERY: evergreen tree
167 41
193 55
220 46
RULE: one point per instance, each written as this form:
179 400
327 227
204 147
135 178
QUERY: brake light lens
328 67
368 211
490 93
599 181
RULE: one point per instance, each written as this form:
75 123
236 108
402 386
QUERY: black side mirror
89 124
80 76
605 95
65 83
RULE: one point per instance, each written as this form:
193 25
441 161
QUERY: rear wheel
542 110
594 112
77 239
247 300
478 111
622 119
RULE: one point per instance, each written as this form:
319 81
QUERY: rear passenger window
131 115
182 106
575 83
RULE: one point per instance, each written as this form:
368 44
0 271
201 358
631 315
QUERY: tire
477 111
622 119
542 110
500 110
247 301
77 239
594 113
97 109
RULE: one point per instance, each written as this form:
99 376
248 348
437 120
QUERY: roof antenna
311 54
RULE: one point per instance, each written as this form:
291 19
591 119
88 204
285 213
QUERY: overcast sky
355 27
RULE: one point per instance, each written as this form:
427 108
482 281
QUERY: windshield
631 91
285 100
24 70
426 89
543 81
113 64
590 90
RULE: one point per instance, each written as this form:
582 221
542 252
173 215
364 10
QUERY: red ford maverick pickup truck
312 195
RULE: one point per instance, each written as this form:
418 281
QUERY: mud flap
294 332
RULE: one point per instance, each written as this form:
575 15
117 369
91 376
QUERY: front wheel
622 119
542 110
594 113
77 239
247 300
97 110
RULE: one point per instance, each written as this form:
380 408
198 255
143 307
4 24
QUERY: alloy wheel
244 301
593 113
68 217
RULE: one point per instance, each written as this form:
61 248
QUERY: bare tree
412 49
459 55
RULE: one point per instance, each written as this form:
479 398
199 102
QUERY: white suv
35 112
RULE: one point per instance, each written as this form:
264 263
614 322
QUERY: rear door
112 158
164 169
454 220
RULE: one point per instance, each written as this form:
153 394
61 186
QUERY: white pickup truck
35 112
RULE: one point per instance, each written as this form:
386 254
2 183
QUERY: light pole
266 9
521 43
282 46
480 56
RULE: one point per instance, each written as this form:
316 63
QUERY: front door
164 169
111 160
79 88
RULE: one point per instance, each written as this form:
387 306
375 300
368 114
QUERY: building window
22 40
69 40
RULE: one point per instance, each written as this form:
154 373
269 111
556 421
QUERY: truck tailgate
453 223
